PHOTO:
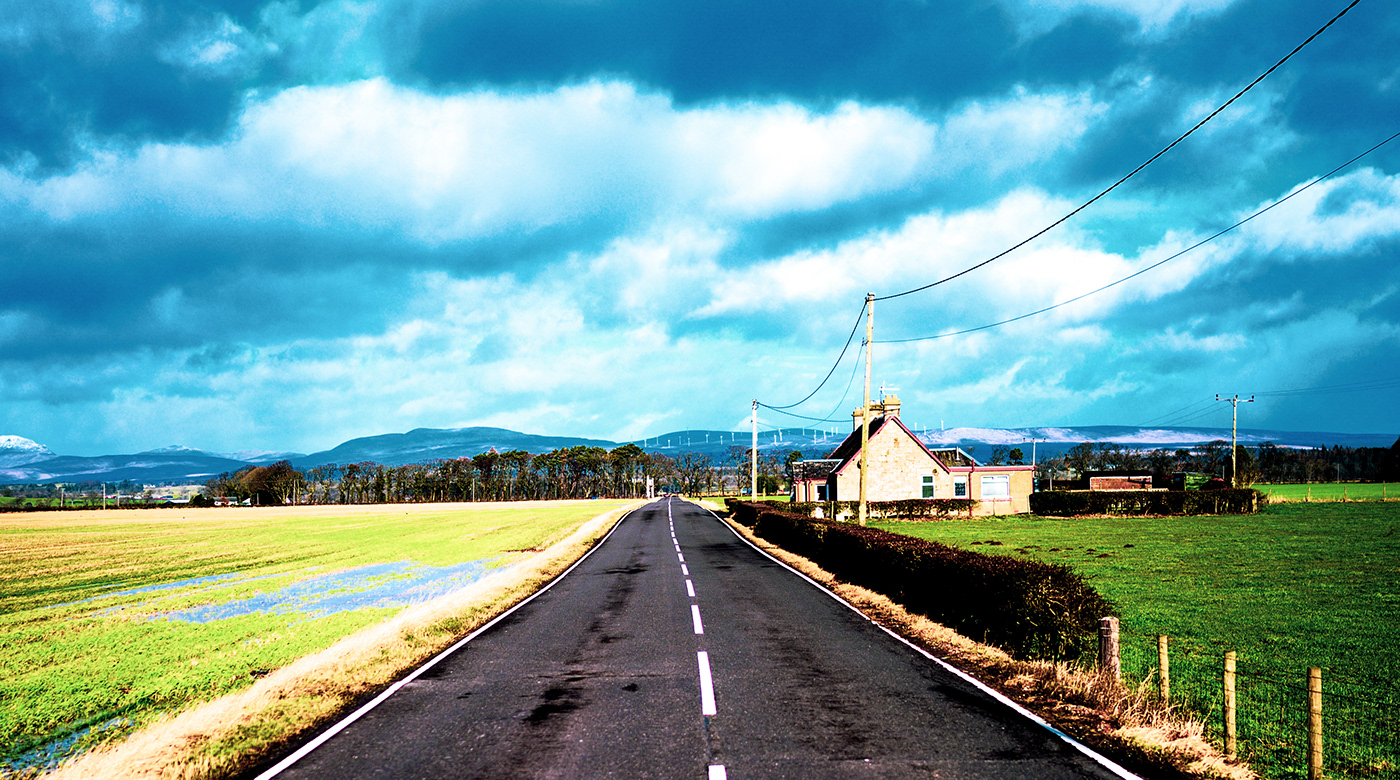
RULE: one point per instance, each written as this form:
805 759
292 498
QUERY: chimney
855 420
891 406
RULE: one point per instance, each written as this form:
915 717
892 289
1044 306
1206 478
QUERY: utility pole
865 409
753 458
1234 434
1033 440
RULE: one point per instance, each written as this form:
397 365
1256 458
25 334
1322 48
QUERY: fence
1303 723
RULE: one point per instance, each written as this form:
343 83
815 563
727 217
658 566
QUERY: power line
1131 173
839 357
1184 409
854 370
1159 263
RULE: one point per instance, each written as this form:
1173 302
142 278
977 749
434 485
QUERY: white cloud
371 156
1153 17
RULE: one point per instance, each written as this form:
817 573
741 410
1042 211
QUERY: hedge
907 509
1029 608
1069 503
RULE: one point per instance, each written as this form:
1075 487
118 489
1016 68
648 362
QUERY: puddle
50 755
382 585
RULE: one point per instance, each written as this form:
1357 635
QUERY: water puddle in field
48 756
380 585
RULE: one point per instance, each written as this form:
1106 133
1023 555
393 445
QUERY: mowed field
110 619
1332 491
1297 586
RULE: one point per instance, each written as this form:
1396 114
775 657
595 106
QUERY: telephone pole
1234 434
753 456
865 409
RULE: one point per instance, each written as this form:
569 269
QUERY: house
902 467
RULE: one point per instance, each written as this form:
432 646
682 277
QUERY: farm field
1331 491
1296 586
109 619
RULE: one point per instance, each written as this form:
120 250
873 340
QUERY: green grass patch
1296 586
1332 491
84 660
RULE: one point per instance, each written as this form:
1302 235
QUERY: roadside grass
1297 586
1331 491
99 612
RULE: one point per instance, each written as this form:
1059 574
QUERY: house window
821 492
996 486
960 487
928 486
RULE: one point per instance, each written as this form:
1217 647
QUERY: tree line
1266 463
515 475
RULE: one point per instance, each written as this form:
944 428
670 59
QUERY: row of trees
572 472
1264 463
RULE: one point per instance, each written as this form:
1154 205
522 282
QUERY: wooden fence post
1109 660
1164 675
1229 685
1314 724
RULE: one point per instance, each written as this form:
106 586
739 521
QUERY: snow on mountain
18 451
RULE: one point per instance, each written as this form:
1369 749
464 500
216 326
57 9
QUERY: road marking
680 557
1102 760
695 618
707 685
690 588
717 772
684 570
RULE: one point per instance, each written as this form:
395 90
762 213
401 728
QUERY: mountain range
26 461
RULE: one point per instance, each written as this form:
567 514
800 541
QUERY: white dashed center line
707 685
717 772
690 588
695 618
684 570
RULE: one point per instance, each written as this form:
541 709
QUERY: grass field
109 619
1299 585
1332 491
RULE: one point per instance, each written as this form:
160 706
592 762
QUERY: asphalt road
677 650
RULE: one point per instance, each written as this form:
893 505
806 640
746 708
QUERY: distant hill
26 461
424 444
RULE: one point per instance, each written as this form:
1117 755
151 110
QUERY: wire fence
1360 717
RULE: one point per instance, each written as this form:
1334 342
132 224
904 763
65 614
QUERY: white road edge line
707 685
326 735
695 618
1103 760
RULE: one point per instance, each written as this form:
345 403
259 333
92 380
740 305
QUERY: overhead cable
839 357
1131 173
1157 264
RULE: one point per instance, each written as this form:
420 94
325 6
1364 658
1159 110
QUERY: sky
255 225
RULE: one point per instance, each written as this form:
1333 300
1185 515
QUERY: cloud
1153 17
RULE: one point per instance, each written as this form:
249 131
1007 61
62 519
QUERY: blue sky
280 225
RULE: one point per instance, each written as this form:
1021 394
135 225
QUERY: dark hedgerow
906 509
1029 608
1069 503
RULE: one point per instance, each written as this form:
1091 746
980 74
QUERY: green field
1299 585
1332 491
110 618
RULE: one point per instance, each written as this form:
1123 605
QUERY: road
677 650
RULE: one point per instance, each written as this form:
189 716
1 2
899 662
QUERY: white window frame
928 487
1000 487
960 487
